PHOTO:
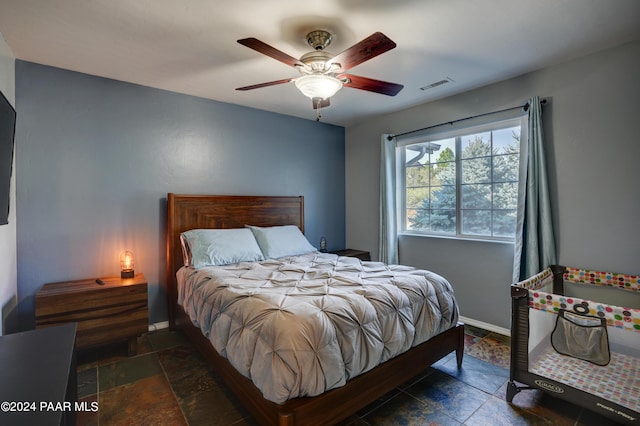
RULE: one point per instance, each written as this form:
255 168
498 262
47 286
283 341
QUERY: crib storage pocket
581 336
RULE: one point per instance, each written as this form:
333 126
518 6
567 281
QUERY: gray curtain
388 241
535 247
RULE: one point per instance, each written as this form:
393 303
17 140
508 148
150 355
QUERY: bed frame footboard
337 404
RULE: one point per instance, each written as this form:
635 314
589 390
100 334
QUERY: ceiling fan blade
371 85
267 84
372 46
265 49
320 103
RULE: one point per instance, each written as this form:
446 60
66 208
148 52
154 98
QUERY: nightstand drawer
115 311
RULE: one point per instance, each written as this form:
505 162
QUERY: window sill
456 238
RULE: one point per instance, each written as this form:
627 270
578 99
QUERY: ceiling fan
323 74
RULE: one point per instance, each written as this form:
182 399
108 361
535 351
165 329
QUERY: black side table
38 384
360 254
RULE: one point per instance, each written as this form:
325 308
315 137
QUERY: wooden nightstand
112 312
360 254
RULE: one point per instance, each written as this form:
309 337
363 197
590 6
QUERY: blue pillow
213 247
280 241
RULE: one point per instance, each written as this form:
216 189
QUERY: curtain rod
525 107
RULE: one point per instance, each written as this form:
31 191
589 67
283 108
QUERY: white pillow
211 247
280 241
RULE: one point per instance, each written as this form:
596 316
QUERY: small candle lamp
126 265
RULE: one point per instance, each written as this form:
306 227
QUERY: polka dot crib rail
542 298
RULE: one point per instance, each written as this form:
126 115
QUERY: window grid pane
486 187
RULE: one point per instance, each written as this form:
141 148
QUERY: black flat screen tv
7 131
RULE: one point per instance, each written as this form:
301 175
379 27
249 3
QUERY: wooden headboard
185 212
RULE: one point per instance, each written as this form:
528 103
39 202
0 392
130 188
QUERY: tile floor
169 383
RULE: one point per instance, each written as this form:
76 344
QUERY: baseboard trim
486 326
158 326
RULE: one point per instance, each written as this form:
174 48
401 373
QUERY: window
464 183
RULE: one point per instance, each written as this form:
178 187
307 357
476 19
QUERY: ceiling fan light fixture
316 86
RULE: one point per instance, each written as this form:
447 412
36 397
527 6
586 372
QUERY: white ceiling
189 46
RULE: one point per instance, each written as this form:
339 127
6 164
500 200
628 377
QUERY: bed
189 212
610 388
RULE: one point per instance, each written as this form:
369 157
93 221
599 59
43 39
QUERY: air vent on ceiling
437 83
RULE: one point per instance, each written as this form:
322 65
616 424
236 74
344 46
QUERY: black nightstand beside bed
360 254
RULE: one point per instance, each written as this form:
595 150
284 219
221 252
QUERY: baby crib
612 390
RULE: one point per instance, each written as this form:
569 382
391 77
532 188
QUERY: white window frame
483 123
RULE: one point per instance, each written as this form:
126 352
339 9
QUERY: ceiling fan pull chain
318 115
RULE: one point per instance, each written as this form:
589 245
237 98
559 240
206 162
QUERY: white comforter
301 325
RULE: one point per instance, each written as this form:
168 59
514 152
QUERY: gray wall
96 158
592 146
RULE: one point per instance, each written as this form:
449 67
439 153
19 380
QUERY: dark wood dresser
38 384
